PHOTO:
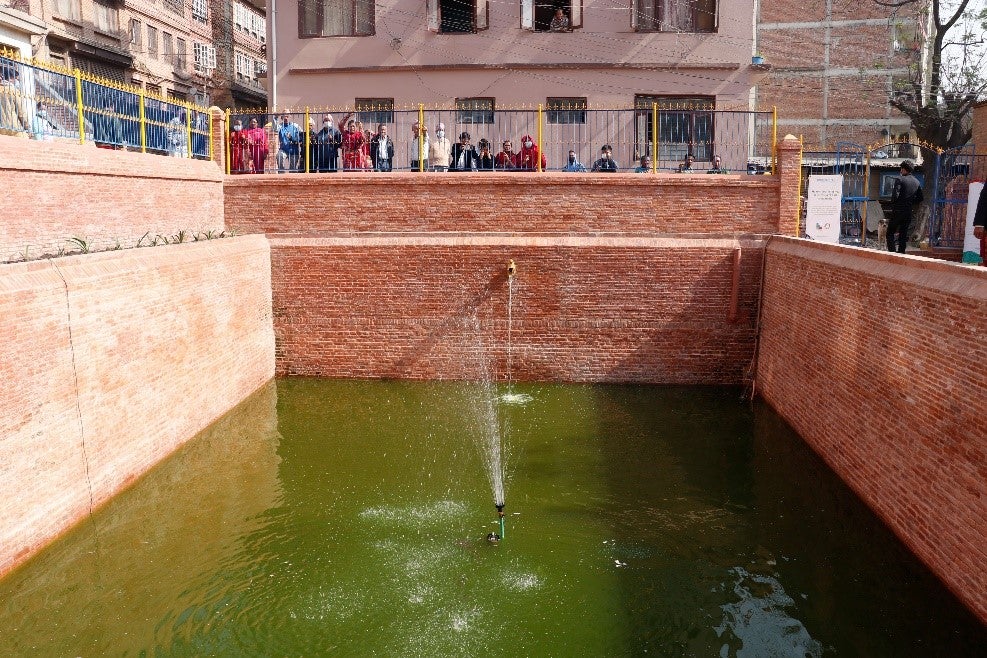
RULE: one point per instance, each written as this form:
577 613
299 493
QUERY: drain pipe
272 71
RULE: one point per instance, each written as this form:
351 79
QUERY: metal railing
47 102
655 139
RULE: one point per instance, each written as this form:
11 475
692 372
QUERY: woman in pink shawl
256 139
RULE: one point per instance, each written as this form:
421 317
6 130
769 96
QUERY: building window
181 53
474 110
457 16
105 16
135 32
200 11
336 18
674 15
374 111
177 96
249 23
244 67
685 126
70 9
537 15
152 42
153 89
168 48
204 56
566 110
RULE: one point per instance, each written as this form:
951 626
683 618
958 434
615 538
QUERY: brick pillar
789 173
218 136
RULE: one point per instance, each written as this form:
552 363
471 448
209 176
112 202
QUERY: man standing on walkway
907 194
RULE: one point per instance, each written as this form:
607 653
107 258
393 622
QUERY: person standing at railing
529 155
108 130
506 160
257 146
366 162
485 159
718 166
686 166
382 150
573 165
289 145
44 127
440 150
606 162
239 155
352 145
326 144
419 133
12 119
645 166
464 156
177 133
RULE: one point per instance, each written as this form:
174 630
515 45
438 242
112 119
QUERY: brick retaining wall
877 361
54 191
585 309
321 204
112 361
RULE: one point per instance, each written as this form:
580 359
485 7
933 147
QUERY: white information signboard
822 208
971 245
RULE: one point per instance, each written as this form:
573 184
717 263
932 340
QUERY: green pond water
348 518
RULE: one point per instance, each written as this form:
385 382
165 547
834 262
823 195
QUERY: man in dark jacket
907 194
325 146
464 156
382 150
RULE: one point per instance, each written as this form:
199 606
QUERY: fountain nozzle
500 509
511 268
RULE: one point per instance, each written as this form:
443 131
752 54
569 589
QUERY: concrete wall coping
936 275
67 157
527 240
535 179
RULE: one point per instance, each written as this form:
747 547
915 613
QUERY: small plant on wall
85 245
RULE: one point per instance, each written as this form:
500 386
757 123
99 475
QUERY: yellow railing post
421 137
654 138
188 130
143 124
540 151
79 106
774 139
227 141
307 133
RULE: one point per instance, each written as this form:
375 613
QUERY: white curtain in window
527 14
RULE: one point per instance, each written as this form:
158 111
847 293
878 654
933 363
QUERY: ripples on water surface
348 518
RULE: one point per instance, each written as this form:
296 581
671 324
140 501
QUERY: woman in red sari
239 155
256 142
352 146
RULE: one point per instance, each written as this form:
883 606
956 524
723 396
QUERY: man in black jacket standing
382 150
907 194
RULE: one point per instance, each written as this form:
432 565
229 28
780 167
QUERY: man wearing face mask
606 162
382 149
573 164
325 145
528 157
440 150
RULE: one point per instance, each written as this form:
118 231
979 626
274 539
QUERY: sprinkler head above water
500 509
511 268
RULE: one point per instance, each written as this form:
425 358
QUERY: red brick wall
585 308
53 191
517 203
112 361
877 360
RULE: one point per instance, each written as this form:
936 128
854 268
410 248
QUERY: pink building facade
491 55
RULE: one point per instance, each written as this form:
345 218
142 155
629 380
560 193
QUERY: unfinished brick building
834 67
